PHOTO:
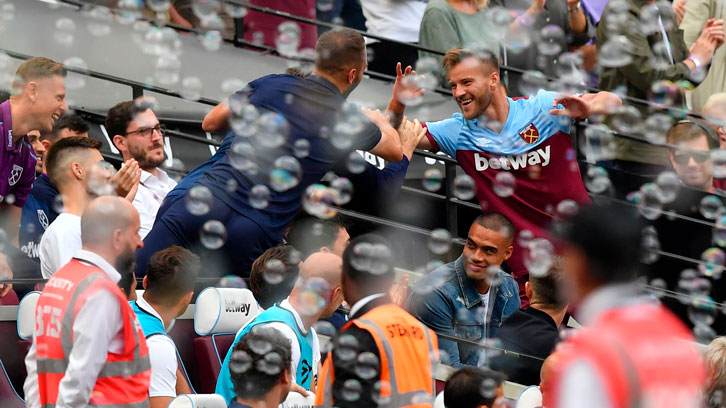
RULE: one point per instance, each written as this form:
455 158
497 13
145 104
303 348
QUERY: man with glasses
137 134
691 154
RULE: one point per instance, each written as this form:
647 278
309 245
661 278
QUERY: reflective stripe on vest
124 378
390 397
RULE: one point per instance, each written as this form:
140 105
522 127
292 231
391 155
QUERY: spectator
447 24
128 285
43 203
714 111
40 100
697 15
87 332
294 317
715 392
69 165
691 156
473 387
317 101
138 135
256 387
405 350
622 334
470 297
526 170
566 15
347 13
310 234
38 148
534 330
168 288
72 166
398 20
266 283
658 53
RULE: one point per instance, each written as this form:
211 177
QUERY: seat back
530 397
296 400
218 314
9 398
198 401
439 401
26 315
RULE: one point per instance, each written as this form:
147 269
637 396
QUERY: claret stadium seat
219 313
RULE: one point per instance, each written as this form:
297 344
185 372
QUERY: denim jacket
447 301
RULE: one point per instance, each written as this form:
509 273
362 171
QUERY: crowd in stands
585 192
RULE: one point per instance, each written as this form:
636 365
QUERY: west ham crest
529 134
15 174
43 219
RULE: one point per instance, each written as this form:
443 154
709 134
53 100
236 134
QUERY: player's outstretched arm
217 119
389 147
580 107
395 107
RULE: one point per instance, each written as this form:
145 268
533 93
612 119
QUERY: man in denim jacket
469 298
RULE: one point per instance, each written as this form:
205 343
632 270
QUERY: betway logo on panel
516 162
231 306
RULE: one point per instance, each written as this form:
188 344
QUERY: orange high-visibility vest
641 354
408 353
124 379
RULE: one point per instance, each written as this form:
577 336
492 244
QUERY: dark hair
171 274
308 234
339 50
456 55
63 150
547 289
368 262
265 292
119 117
610 238
466 388
246 361
126 282
67 120
496 222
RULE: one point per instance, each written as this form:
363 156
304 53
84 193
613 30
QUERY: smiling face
692 162
472 84
484 248
48 101
34 139
142 143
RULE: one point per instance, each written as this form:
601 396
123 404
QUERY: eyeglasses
683 157
147 132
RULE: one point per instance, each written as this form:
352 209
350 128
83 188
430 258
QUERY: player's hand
127 179
5 273
411 134
574 107
407 88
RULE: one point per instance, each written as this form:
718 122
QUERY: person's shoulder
438 6
162 343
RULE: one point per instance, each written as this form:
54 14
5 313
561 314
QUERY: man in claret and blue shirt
527 137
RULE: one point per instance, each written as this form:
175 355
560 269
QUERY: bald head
104 218
323 265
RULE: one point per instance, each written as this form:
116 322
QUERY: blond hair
456 55
715 362
481 4
40 67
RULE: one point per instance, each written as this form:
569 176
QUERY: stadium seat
26 324
198 401
219 313
11 299
531 397
439 401
295 400
9 398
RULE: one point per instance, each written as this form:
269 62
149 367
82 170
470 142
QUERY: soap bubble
718 157
160 6
167 68
75 81
301 148
274 272
64 29
719 230
616 52
356 164
600 143
627 119
551 39
232 85
669 185
650 205
287 40
259 196
100 17
213 235
344 190
432 179
191 89
274 130
440 241
312 296
286 174
242 156
539 257
650 245
99 177
429 69
320 201
710 206
531 82
713 262
464 187
211 40
503 185
199 200
597 180
234 10
367 365
324 5
371 258
656 127
351 390
346 347
207 10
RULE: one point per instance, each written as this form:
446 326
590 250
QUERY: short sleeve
445 134
544 101
162 355
25 185
369 137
